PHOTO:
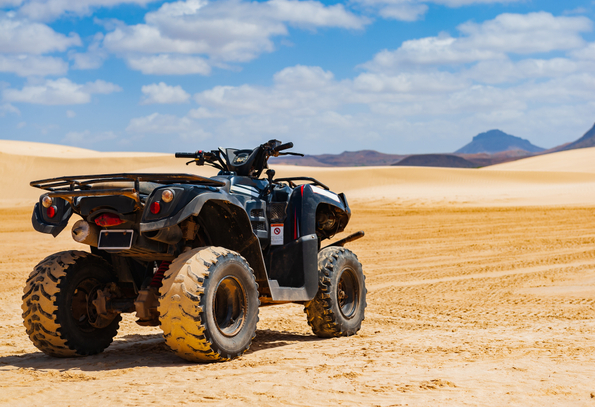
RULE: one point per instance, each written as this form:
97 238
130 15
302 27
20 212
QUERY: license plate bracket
115 239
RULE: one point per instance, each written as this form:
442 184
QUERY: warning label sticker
277 234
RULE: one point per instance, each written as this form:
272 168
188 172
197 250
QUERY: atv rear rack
75 186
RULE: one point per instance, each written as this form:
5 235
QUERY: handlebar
285 146
251 166
186 155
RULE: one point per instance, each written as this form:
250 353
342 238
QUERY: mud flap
293 270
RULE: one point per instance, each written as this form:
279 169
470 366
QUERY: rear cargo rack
81 185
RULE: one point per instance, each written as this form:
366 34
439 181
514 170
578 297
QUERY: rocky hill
436 160
588 140
496 141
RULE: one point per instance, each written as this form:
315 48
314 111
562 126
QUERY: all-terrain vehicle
194 255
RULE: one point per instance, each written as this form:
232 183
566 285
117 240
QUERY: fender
224 218
44 224
302 209
293 267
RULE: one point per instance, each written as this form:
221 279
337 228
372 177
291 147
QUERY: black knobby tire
208 305
56 305
338 308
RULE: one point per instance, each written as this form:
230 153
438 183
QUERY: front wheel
338 308
209 305
58 310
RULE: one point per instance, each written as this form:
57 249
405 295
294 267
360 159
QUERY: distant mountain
485 159
345 159
588 140
496 141
436 160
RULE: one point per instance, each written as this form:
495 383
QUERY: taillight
108 219
155 208
51 211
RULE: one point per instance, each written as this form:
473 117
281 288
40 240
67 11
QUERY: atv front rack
71 187
292 184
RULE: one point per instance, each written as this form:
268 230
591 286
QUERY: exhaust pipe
169 235
85 233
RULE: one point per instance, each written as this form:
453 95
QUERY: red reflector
108 219
155 208
51 211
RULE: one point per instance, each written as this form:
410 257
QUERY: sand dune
538 181
581 160
481 291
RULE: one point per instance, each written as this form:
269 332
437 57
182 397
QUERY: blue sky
397 76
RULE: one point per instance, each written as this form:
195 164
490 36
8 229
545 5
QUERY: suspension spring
158 276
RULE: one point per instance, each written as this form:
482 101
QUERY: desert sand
481 291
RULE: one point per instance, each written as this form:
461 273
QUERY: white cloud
492 39
100 86
167 64
412 83
59 92
70 114
413 10
526 33
221 31
25 37
10 3
48 10
459 3
503 71
586 53
300 89
93 58
157 123
32 65
163 93
8 108
403 12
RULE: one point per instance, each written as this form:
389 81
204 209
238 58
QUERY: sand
481 291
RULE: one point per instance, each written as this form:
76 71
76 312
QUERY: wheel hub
230 306
348 293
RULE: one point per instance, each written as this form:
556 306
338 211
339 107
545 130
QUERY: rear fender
224 221
44 224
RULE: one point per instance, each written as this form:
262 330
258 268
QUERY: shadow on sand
139 351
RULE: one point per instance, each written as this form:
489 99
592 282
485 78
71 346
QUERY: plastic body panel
42 223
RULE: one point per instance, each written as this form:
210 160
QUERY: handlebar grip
185 155
284 146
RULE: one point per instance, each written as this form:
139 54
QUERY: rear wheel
58 309
209 305
338 308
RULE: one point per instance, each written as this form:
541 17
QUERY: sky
396 76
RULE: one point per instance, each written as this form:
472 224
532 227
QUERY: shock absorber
158 276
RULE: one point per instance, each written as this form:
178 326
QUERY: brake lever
297 154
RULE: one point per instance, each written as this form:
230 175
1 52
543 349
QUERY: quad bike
196 256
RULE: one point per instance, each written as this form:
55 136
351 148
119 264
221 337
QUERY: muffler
169 235
85 233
